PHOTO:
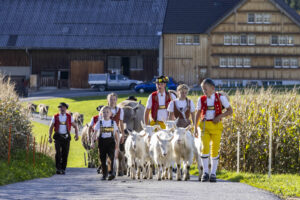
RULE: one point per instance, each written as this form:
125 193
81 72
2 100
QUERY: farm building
59 42
235 42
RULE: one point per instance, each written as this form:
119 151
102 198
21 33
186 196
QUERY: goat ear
143 125
172 129
140 102
188 128
156 128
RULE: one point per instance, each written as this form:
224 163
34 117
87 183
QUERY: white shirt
162 114
62 118
114 112
210 114
105 123
181 105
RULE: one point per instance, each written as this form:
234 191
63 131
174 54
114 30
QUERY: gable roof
88 24
200 16
195 16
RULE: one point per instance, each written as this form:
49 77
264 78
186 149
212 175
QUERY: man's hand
217 119
76 137
196 132
50 140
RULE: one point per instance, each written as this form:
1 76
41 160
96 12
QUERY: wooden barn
58 43
235 42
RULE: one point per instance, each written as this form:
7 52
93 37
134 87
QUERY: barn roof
199 16
81 24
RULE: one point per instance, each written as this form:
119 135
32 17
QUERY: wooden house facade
234 42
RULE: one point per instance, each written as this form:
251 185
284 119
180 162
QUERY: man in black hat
62 122
158 103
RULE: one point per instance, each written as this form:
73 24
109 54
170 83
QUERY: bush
13 114
252 111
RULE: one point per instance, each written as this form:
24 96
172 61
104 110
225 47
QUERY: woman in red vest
209 111
62 122
158 103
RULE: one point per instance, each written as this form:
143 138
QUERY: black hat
132 98
162 79
63 104
99 108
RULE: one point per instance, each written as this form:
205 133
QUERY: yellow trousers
160 123
211 135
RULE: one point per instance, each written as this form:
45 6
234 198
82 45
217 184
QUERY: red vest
95 120
57 122
218 105
116 117
155 104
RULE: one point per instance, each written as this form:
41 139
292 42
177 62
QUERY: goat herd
162 148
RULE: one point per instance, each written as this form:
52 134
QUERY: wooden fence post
9 145
270 145
33 152
238 153
27 149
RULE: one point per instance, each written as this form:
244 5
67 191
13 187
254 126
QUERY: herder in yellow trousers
158 103
209 110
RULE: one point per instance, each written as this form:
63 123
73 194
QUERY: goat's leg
158 172
170 173
178 172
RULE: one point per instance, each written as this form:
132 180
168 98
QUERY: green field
20 170
76 154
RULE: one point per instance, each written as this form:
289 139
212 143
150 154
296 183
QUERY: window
282 40
251 40
243 40
231 62
278 63
136 63
196 39
235 40
180 40
274 40
232 83
223 62
266 18
251 18
121 77
239 62
227 40
290 40
239 83
188 39
258 18
112 77
225 83
247 62
114 63
285 63
294 63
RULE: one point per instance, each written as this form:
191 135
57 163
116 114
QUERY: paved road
84 183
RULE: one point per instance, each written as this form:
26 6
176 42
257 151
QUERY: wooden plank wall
80 71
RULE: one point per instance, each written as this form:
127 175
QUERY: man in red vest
158 103
61 123
209 111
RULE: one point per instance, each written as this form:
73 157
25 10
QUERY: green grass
85 105
76 154
283 185
20 170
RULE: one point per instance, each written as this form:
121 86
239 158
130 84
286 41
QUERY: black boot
111 176
58 171
213 178
205 177
103 178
